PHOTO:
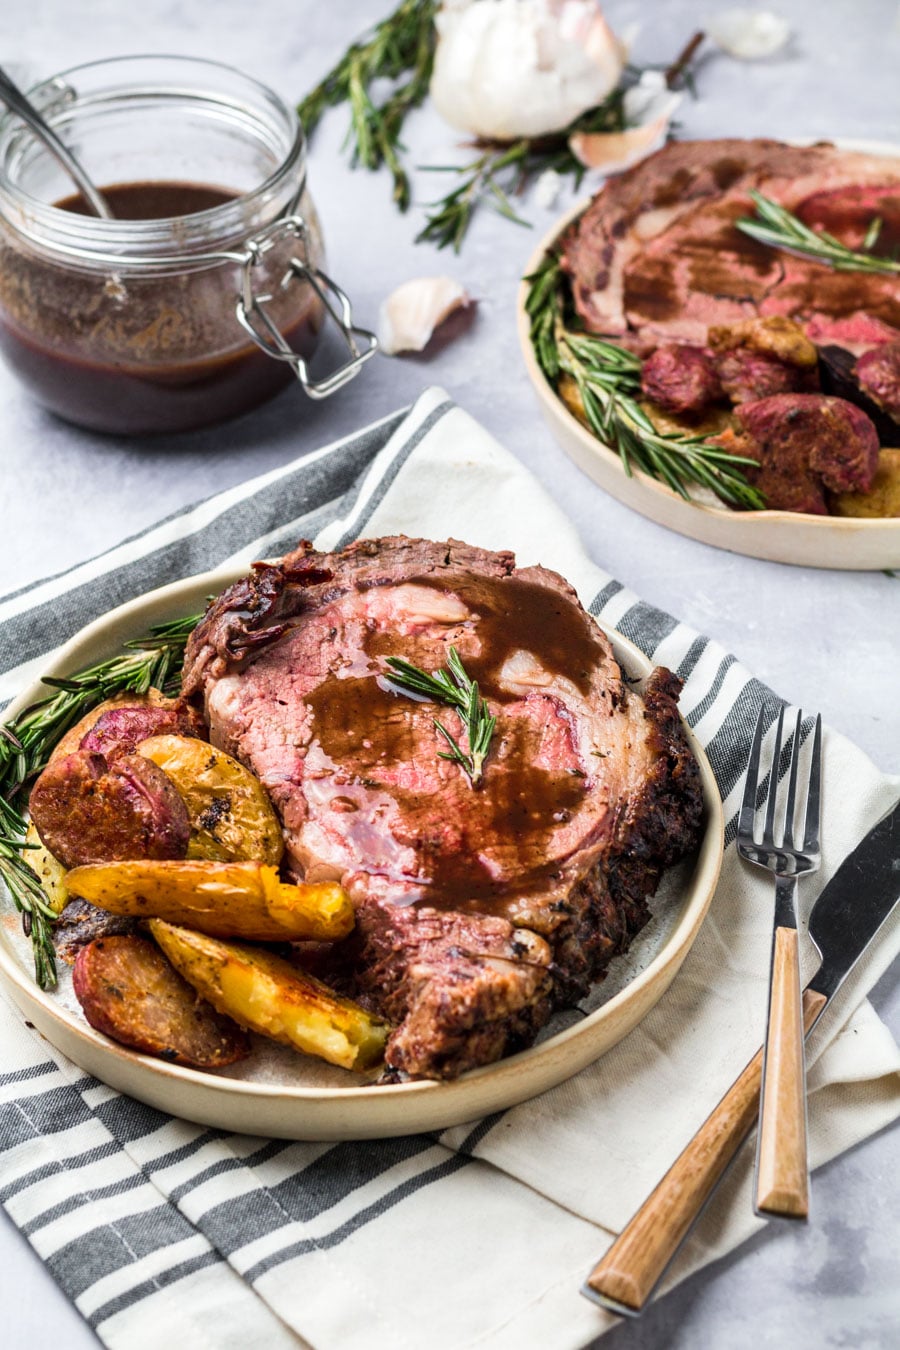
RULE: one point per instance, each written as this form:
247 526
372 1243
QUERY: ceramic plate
780 536
278 1092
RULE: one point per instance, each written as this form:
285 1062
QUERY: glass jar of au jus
205 295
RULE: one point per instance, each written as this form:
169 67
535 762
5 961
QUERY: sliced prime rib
478 908
656 256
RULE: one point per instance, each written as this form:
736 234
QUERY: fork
782 1167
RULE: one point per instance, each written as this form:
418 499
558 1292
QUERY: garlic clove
614 151
410 314
749 34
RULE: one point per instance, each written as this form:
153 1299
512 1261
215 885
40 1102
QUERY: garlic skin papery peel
411 313
648 107
506 69
749 34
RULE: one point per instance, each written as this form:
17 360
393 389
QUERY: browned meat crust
462 989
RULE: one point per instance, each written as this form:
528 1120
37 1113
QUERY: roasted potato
118 730
882 498
230 813
708 423
88 810
129 991
242 899
263 993
71 741
50 870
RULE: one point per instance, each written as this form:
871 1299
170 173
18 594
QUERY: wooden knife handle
782 1165
629 1272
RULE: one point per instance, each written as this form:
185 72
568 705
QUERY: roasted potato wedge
50 870
71 741
231 816
130 992
882 498
263 993
242 899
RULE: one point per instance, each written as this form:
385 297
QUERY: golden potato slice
710 422
50 870
882 498
239 899
265 994
75 735
232 819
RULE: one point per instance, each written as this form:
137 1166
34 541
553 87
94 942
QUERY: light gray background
828 640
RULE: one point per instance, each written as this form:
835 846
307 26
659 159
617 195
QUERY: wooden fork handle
782 1165
629 1272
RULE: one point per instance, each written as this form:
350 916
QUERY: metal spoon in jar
15 100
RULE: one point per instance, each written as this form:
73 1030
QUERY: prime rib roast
656 256
479 910
657 264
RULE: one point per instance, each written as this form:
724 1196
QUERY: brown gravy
374 735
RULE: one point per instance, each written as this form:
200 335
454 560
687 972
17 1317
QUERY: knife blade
848 914
855 903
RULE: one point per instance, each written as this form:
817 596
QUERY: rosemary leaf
400 45
453 688
777 227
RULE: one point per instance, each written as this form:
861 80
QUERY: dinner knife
844 920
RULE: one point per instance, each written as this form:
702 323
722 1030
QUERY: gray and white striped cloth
158 1229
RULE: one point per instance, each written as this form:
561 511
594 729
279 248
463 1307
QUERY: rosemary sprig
27 742
777 227
608 378
400 45
401 49
503 171
453 688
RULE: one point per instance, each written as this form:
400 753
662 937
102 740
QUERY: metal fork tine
792 786
748 805
811 831
769 827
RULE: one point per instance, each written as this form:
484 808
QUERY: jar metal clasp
257 322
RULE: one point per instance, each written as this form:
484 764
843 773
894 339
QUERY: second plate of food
285 1094
716 282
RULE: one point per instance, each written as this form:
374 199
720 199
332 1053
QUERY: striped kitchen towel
157 1228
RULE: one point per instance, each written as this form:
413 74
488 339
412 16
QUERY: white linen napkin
494 1225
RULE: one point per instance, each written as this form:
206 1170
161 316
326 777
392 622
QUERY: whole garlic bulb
510 68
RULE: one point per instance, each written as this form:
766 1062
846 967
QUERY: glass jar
205 295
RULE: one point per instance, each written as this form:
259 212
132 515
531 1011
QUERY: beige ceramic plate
278 1092
780 536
